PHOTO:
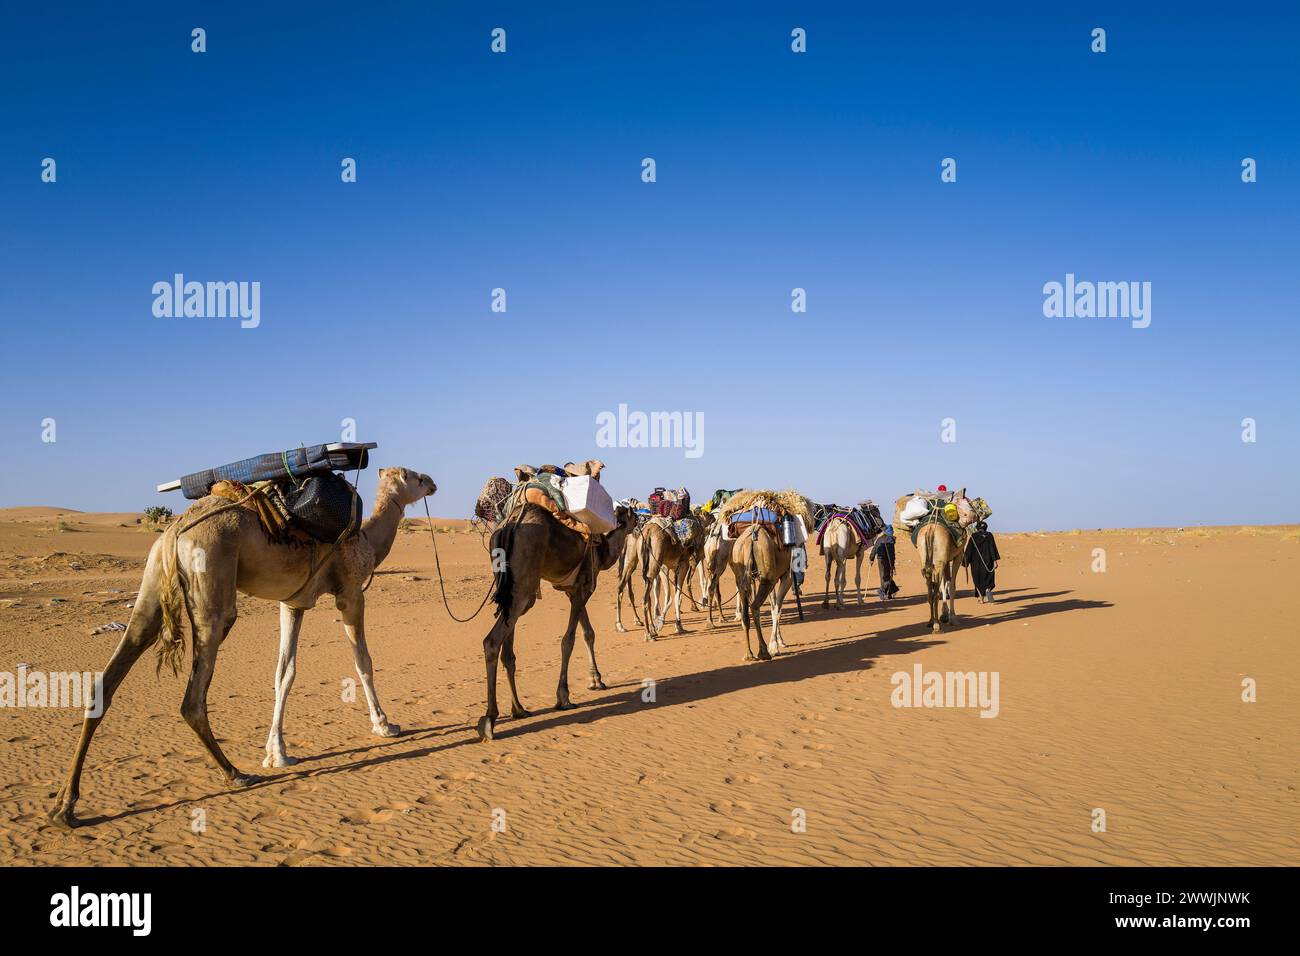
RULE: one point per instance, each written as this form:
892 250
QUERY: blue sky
775 170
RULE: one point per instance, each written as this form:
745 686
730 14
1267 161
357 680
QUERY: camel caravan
287 527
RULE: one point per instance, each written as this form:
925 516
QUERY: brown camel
661 551
839 543
197 567
716 559
762 568
941 558
538 547
629 563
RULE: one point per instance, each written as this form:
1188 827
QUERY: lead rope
438 564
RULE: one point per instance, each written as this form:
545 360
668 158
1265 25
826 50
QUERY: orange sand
1119 691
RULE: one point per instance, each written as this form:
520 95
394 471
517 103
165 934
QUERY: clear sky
775 170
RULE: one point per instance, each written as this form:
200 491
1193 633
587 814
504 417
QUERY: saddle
673 505
742 521
322 508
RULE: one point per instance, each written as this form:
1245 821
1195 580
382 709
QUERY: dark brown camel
537 548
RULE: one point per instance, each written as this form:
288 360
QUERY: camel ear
593 467
961 494
382 471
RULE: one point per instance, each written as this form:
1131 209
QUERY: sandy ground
1119 690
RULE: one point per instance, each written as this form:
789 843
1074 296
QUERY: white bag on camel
589 503
915 509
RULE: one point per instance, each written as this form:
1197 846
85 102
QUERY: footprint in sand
802 765
735 833
725 807
363 817
740 778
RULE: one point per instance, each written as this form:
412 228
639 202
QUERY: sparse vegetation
156 518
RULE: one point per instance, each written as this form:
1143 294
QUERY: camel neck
381 527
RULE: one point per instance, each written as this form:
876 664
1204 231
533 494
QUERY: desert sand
1119 690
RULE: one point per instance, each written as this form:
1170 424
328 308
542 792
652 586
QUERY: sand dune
1118 690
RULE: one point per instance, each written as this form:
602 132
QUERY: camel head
610 544
403 485
592 467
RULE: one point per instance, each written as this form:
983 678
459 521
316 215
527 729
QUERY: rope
438 564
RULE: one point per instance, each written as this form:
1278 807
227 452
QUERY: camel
662 552
716 558
839 543
629 563
539 547
941 558
216 550
762 569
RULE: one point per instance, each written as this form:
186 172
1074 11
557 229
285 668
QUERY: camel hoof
934 628
387 730
239 779
564 705
518 713
279 760
620 628
681 630
63 818
597 684
486 726
749 657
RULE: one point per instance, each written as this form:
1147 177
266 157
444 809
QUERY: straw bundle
789 501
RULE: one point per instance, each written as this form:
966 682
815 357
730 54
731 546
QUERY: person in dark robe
982 558
883 549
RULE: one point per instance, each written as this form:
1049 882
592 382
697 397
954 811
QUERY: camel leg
210 629
491 653
589 635
576 603
857 574
736 617
517 709
756 612
932 595
682 575
624 581
502 629
841 577
141 633
742 600
826 598
699 567
778 602
618 606
353 610
285 669
650 600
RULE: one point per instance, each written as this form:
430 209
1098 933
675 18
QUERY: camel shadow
800 661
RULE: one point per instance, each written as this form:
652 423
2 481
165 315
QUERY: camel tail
171 643
926 542
645 558
503 580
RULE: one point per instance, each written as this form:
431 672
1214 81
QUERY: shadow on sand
836 655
